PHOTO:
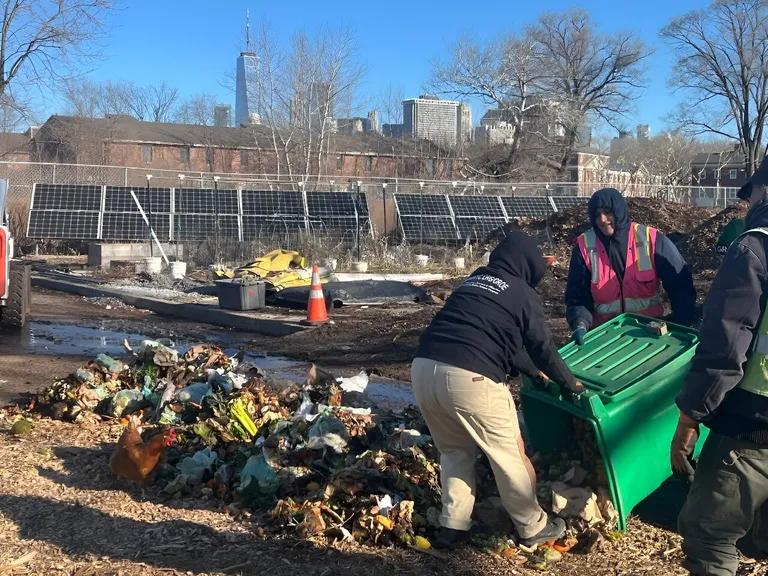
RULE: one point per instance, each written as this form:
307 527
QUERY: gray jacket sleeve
731 313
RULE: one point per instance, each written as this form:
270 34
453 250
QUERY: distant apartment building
445 122
222 115
358 124
724 168
247 90
495 128
464 129
373 121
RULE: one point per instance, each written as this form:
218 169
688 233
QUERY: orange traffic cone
316 312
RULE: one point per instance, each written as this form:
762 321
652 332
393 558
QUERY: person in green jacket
732 230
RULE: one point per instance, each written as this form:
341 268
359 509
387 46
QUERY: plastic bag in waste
158 353
108 363
327 432
83 375
125 402
258 482
357 383
195 466
193 393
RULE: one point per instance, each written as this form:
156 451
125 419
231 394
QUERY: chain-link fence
378 191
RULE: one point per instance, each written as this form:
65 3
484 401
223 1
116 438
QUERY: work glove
578 335
683 444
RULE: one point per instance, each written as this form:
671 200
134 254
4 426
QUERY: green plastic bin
631 376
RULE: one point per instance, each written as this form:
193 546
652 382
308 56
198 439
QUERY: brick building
124 141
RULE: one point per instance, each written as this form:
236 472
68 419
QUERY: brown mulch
62 513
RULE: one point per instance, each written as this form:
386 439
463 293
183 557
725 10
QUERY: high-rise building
373 121
434 119
464 128
643 131
247 84
246 90
222 115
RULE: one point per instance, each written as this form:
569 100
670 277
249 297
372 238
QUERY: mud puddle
62 339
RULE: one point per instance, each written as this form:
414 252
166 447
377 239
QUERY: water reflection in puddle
58 339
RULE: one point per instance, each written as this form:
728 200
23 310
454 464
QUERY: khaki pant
466 412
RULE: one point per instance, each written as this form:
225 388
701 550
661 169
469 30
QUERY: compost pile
314 459
699 248
314 465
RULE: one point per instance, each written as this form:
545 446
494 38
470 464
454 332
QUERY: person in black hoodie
491 327
727 391
600 284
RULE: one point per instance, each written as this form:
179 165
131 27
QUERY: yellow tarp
279 269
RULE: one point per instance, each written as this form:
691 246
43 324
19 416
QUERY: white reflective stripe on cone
316 293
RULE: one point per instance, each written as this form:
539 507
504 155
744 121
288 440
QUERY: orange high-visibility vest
639 290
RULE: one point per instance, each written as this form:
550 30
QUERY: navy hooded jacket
674 273
493 323
732 312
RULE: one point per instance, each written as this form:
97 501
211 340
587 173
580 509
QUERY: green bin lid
625 351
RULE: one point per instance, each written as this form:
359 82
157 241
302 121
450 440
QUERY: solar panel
527 206
323 204
205 226
118 199
477 206
271 202
63 224
131 226
422 204
66 197
206 201
477 229
426 229
568 202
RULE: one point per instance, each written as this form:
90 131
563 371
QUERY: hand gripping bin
631 374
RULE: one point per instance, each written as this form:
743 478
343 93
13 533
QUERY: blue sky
193 44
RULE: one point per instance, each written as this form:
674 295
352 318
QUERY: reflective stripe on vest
641 245
755 377
590 241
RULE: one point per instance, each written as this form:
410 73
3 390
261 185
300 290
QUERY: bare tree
722 62
46 39
587 74
83 97
504 73
197 109
153 103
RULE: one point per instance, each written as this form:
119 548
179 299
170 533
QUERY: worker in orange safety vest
617 266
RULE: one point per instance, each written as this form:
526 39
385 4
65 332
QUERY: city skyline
397 60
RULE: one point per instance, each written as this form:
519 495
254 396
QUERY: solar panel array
87 212
440 217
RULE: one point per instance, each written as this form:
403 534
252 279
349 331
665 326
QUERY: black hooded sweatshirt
493 323
675 275
732 312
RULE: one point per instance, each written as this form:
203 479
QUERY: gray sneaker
553 530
